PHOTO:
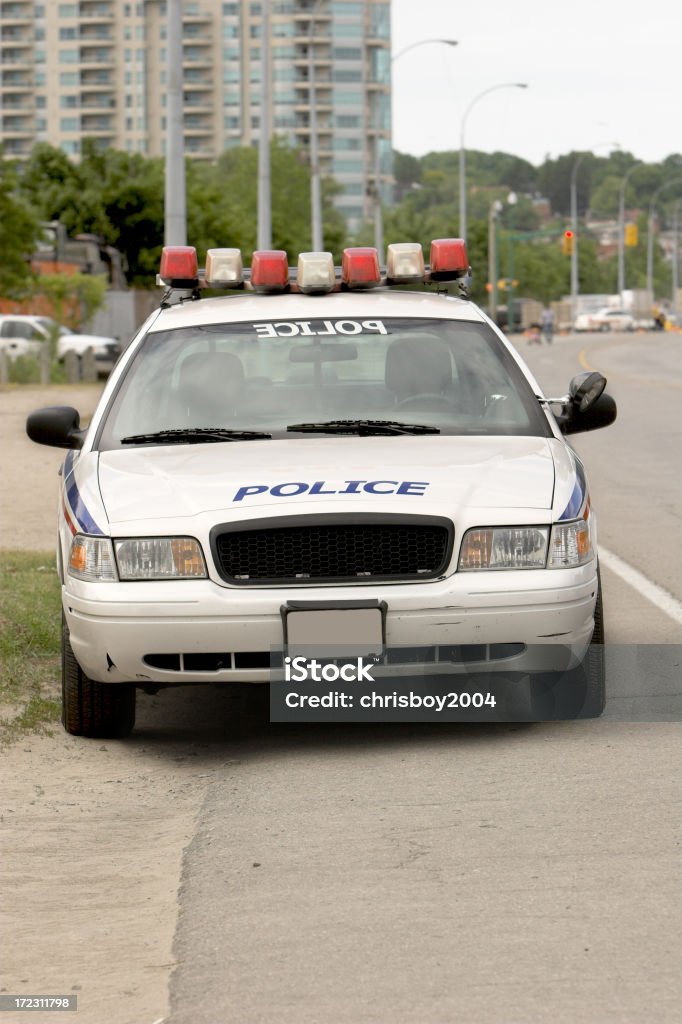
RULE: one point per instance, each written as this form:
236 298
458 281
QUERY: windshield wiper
195 435
363 427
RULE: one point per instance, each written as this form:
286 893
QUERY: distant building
97 68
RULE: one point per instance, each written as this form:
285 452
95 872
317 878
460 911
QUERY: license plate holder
338 629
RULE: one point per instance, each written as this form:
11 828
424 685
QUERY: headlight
516 547
571 544
91 558
159 558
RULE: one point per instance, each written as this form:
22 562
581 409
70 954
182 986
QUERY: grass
30 624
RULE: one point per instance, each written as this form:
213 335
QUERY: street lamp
264 232
574 227
315 192
650 235
493 214
676 259
378 213
621 228
462 159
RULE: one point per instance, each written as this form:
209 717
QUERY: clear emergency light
269 270
404 262
315 273
224 268
360 267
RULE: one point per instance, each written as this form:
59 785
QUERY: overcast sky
598 71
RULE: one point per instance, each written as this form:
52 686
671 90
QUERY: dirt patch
92 832
29 472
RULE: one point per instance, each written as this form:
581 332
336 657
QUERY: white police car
314 441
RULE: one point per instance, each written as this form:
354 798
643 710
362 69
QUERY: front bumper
114 627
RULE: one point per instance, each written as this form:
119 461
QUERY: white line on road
651 591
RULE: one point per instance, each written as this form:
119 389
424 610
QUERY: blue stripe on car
80 512
578 495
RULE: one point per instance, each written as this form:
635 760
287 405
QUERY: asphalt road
507 874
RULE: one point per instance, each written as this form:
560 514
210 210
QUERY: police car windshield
452 375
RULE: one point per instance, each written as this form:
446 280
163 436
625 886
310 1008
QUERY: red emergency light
179 266
448 258
269 270
360 267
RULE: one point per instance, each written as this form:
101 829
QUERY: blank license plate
337 632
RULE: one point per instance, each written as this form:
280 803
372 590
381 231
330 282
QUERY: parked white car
605 320
330 444
22 335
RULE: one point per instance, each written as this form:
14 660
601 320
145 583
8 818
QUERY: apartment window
256 9
129 124
347 53
343 75
230 31
71 147
68 56
68 78
348 166
69 124
68 101
342 8
41 102
255 122
255 31
349 30
230 9
69 33
342 143
232 123
347 99
347 121
41 124
39 79
68 10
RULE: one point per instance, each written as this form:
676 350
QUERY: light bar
315 272
405 262
360 268
269 270
179 266
224 267
448 258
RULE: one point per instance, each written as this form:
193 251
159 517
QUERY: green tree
18 231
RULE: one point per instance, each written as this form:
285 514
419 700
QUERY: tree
18 231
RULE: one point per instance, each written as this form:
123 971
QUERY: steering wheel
426 398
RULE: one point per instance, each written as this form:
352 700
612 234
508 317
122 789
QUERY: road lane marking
668 604
582 359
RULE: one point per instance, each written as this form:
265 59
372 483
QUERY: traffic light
567 240
631 235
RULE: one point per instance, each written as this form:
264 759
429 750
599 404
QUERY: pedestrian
547 324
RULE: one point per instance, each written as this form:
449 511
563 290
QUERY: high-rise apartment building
97 68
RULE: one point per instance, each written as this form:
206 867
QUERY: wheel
98 710
580 693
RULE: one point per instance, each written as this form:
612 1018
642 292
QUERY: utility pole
264 191
175 205
315 193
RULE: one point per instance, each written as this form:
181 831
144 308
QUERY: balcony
96 34
96 79
96 11
93 55
15 56
96 124
16 14
16 80
97 101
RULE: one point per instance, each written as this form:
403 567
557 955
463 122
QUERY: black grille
344 549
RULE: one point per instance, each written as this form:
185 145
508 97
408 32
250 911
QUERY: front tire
96 710
581 692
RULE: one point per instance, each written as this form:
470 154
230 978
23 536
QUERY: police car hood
233 481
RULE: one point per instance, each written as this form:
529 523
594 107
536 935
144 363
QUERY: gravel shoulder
93 833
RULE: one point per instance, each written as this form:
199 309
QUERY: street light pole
621 229
676 259
378 212
264 233
495 208
574 229
315 191
175 204
462 158
650 235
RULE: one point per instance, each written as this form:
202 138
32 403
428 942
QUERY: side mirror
600 412
57 425
586 389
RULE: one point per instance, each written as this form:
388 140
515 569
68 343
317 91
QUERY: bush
24 370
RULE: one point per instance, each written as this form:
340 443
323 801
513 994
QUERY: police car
279 445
